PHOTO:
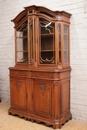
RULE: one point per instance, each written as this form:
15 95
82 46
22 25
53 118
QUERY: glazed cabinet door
21 43
46 42
42 94
18 93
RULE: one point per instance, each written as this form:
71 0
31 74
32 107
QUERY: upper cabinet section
42 37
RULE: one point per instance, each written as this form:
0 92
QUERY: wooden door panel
42 97
18 93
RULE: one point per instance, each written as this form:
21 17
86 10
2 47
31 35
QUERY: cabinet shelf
22 37
47 50
22 51
47 35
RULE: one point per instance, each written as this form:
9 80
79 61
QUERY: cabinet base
48 121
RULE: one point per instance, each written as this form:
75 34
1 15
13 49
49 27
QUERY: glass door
22 44
47 42
66 43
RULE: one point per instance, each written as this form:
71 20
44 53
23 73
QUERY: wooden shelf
47 50
22 37
22 51
47 35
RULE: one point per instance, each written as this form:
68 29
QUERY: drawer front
43 75
18 73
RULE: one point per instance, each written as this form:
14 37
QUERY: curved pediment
39 10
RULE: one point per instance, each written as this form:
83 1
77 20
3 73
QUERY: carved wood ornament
18 84
43 87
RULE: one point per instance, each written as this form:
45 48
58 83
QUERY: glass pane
22 44
66 33
35 41
47 42
22 57
59 32
31 40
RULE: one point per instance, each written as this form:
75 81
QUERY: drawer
49 75
18 73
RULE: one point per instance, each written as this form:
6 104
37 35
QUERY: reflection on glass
59 32
22 57
47 47
66 33
22 44
31 40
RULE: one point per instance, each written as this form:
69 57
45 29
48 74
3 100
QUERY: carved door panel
18 93
42 98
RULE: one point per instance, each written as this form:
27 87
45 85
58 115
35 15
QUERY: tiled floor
8 122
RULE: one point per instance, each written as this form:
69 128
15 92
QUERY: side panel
65 96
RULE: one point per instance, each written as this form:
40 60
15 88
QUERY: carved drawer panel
18 73
42 75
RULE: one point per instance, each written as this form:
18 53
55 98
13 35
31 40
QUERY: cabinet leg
32 120
56 126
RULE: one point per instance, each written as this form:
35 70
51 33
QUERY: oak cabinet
40 79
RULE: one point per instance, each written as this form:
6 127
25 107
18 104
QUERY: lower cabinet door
42 97
18 93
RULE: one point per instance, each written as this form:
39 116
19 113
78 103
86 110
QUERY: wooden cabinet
40 79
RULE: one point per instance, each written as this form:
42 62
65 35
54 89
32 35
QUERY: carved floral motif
18 84
56 83
43 87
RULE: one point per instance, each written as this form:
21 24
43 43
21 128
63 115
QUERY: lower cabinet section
42 99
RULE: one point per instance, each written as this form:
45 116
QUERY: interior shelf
47 35
22 37
47 50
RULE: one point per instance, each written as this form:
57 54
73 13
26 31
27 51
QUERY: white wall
78 41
